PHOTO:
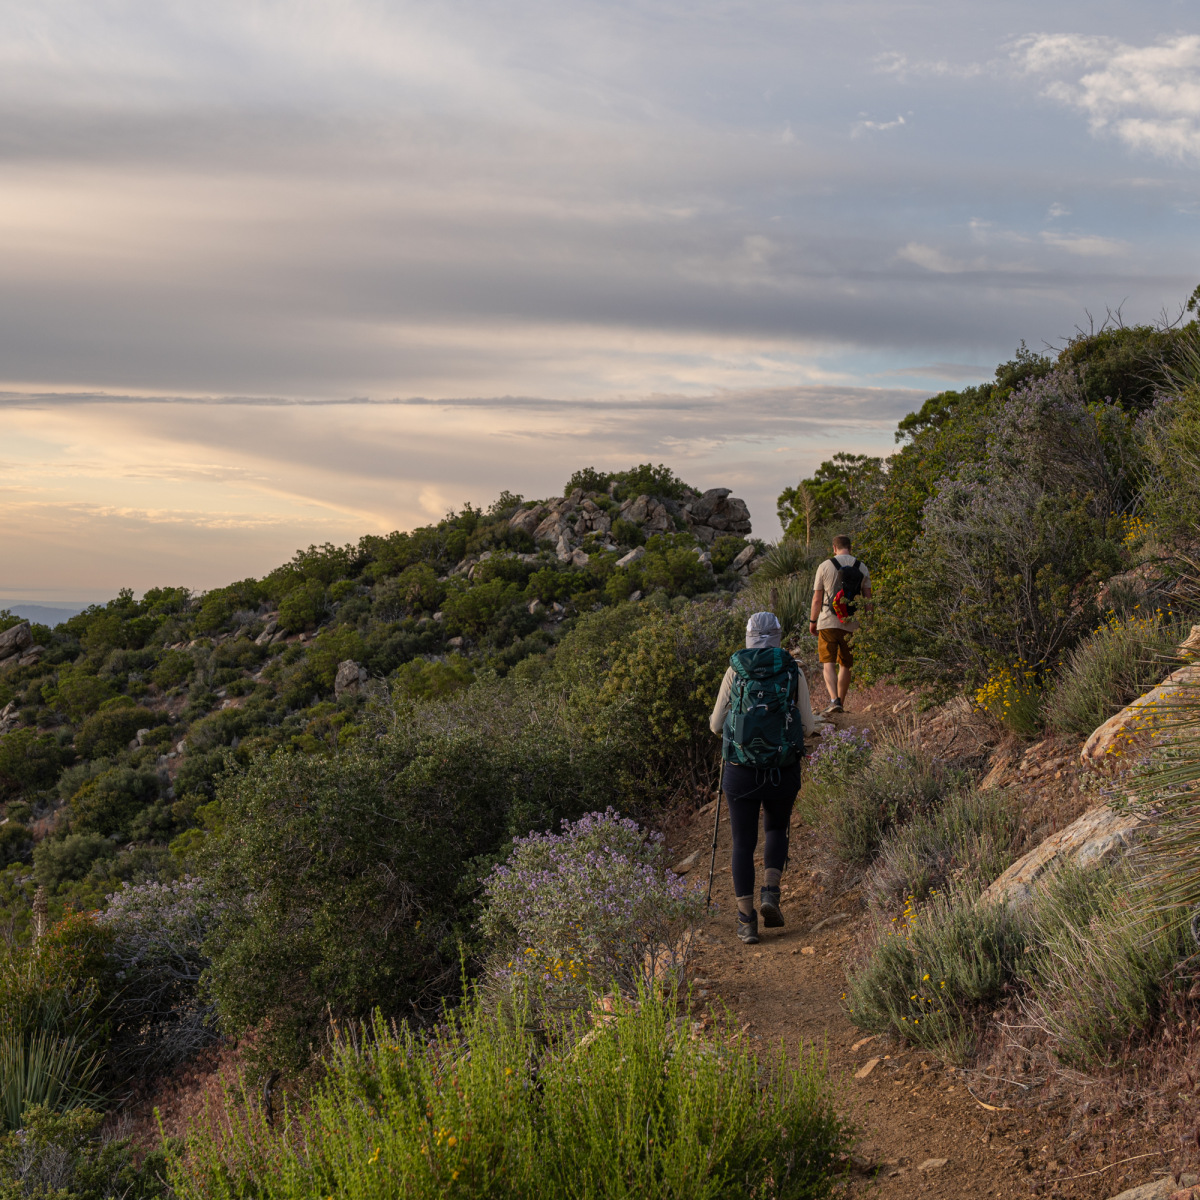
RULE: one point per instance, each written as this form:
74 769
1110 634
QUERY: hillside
116 722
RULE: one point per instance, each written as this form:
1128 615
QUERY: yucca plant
784 559
44 1068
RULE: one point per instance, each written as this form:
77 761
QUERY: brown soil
1047 1132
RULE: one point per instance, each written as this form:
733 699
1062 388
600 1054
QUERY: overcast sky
287 273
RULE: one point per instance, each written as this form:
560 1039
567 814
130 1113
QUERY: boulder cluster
17 648
566 522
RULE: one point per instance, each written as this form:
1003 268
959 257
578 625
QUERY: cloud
1146 96
876 126
1085 245
931 259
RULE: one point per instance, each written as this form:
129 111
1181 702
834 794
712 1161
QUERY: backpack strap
736 663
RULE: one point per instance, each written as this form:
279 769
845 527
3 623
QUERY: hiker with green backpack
763 714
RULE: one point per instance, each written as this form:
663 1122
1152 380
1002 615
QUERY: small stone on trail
932 1164
808 949
866 1069
862 1042
1156 1189
685 865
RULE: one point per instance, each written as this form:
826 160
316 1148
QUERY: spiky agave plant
44 1068
785 559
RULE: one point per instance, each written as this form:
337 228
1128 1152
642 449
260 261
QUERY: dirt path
922 1131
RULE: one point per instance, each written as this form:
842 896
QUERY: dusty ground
1045 1132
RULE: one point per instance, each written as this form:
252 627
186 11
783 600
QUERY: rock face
351 678
1098 837
15 641
1139 719
566 522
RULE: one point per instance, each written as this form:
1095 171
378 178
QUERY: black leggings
747 789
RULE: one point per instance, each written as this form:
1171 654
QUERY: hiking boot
769 904
829 710
747 929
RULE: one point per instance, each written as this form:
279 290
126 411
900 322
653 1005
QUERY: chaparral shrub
591 907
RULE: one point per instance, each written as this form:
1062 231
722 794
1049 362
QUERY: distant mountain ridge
42 614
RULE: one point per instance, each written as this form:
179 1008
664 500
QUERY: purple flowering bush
590 907
158 946
839 755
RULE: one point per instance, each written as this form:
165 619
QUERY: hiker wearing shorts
834 623
763 714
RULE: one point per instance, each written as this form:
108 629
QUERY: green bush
658 693
931 972
29 761
64 1155
70 859
351 881
433 679
635 1107
108 803
303 606
174 668
1114 666
970 837
107 733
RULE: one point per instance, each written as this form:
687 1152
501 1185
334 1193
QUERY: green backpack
763 728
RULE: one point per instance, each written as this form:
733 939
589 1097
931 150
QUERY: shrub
29 761
175 667
433 679
107 733
108 803
303 606
64 1155
970 837
69 859
1013 697
1101 964
636 1106
351 881
1114 666
859 803
840 756
659 692
160 1017
931 971
590 907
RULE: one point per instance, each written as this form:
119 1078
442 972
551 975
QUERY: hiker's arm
815 611
721 710
869 603
804 707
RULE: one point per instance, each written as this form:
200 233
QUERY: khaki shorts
834 646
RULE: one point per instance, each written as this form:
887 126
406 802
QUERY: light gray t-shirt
826 579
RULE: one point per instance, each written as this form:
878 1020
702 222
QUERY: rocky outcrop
15 642
565 522
351 678
1149 716
1098 837
717 512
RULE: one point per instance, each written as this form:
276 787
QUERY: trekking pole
712 862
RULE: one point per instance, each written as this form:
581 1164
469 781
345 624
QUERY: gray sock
774 875
745 906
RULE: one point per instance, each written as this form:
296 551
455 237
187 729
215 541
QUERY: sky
282 274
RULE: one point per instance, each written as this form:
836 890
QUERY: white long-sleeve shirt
803 705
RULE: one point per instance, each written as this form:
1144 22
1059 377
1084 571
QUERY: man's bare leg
843 683
830 672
